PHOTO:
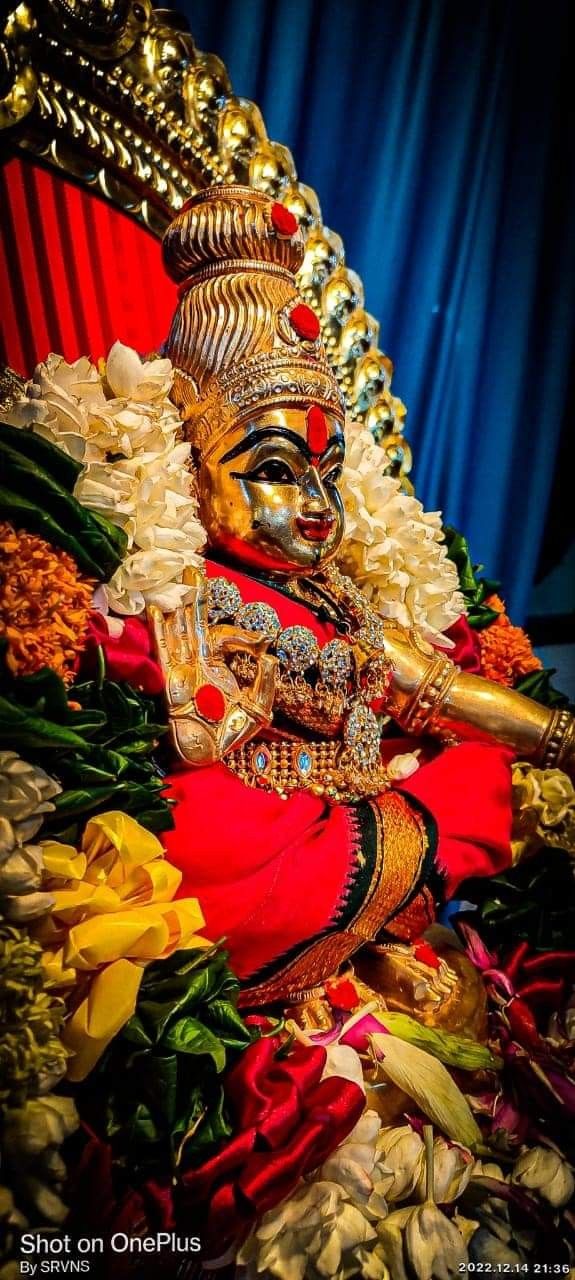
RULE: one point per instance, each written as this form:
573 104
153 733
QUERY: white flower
39 1126
402 766
136 379
125 430
26 794
420 1244
545 1172
345 1062
452 1169
393 549
314 1233
402 1151
357 1167
32 1135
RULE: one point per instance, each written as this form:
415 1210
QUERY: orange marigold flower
44 604
506 652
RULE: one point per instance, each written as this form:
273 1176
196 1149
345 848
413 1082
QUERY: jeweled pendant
362 736
260 618
297 649
335 663
224 600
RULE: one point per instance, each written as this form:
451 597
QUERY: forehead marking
316 430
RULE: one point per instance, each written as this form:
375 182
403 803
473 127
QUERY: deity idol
288 694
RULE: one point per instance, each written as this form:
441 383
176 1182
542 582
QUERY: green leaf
474 589
161 1079
135 1032
209 1133
188 1035
143 1127
92 554
43 692
537 685
132 798
18 728
224 1018
180 965
59 465
35 493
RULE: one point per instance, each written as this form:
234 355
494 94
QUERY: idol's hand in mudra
220 680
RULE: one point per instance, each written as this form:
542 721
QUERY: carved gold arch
116 94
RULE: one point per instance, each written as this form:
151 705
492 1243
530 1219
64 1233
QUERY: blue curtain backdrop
439 137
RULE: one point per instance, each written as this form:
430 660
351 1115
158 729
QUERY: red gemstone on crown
210 702
304 322
283 220
316 430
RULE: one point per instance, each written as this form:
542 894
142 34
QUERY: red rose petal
304 322
283 220
210 702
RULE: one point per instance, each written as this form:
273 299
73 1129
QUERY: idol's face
268 494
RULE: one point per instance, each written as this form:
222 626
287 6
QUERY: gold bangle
430 695
558 741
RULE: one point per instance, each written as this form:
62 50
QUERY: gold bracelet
558 741
431 693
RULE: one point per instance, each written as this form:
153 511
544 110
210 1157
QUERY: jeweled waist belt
294 764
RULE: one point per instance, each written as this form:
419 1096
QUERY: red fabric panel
468 790
268 873
75 272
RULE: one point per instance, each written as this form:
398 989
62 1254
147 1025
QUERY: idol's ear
116 102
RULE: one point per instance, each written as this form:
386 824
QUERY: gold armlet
557 746
422 711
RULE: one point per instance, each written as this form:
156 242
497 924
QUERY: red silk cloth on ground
75 272
272 873
287 1121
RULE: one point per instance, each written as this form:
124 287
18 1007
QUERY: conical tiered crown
242 340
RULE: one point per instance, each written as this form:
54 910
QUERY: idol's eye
273 471
333 476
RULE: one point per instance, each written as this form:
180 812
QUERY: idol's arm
429 694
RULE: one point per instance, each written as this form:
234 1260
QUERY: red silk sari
296 885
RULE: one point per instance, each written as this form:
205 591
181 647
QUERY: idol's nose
315 498
316 519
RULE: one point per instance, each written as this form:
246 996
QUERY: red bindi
316 430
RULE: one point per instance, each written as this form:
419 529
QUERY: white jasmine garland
393 549
120 423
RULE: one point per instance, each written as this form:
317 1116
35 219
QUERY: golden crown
241 339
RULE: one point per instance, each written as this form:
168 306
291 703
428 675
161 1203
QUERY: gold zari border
401 847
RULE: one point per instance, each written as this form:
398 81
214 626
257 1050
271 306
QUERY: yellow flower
543 810
113 913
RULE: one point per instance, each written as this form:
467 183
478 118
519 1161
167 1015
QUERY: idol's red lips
316 528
